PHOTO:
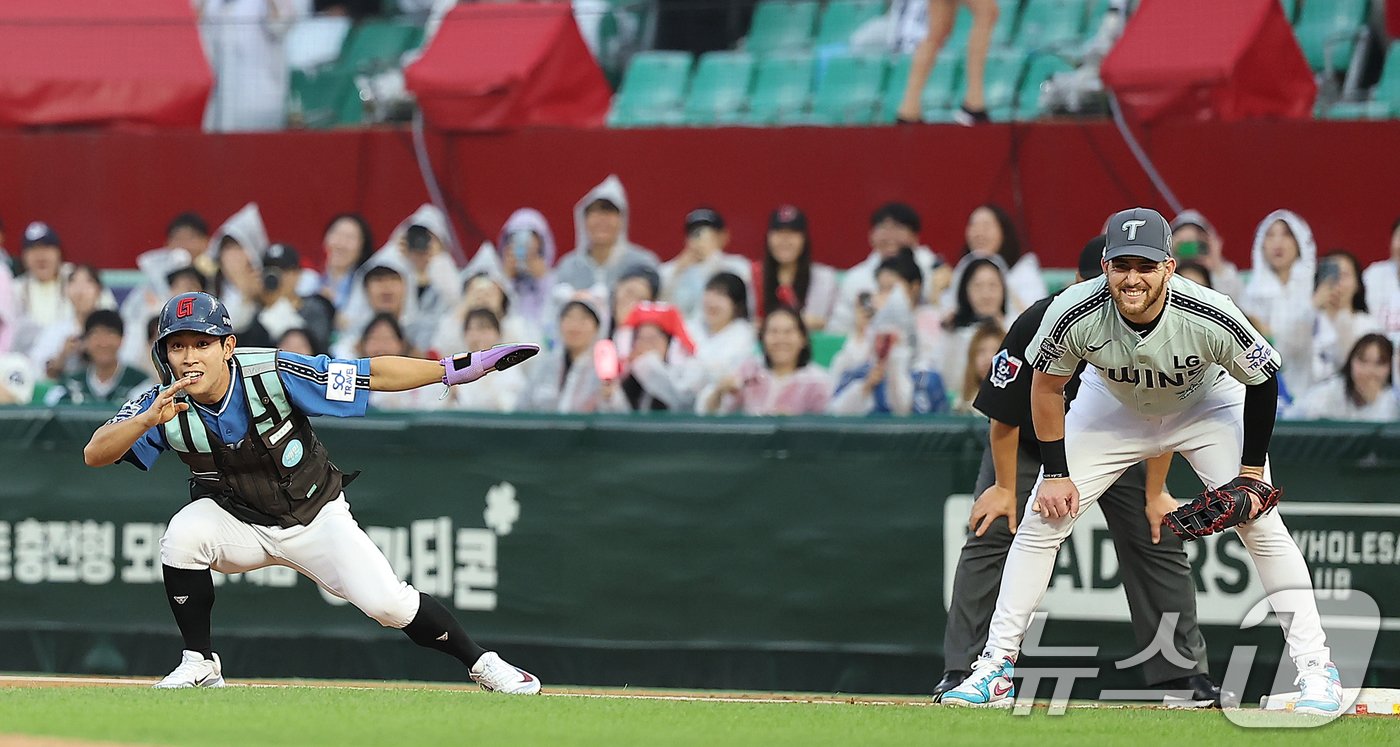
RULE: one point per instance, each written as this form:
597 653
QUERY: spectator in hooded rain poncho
603 251
1279 295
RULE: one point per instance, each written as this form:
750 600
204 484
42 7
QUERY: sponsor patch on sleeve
1050 352
340 382
1258 357
1005 368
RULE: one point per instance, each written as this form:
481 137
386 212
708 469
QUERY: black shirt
1005 394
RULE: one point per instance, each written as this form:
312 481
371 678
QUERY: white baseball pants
332 550
1102 439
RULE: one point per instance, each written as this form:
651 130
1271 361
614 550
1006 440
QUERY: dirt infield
579 692
59 681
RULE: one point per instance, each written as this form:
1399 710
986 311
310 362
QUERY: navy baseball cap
787 217
703 217
282 255
40 233
1138 232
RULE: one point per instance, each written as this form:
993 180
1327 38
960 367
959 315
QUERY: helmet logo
184 308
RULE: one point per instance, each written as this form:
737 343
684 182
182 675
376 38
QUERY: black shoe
951 679
1204 693
969 118
906 121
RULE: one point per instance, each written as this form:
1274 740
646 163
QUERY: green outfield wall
802 554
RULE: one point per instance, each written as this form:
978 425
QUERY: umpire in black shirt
1156 577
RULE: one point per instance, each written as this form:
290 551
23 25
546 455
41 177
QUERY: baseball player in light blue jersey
263 490
1173 367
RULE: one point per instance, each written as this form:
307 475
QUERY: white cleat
194 671
494 674
988 686
1321 691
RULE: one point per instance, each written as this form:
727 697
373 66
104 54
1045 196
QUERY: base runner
263 490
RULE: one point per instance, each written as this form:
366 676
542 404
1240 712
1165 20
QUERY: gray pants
1156 578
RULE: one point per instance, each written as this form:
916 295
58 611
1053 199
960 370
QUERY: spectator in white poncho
1279 294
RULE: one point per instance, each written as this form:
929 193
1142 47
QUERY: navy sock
191 598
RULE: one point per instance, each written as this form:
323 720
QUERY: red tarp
68 62
499 67
1204 60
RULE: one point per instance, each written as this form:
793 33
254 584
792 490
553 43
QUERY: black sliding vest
279 474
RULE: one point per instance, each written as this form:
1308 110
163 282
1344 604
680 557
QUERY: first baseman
1173 367
1156 574
263 490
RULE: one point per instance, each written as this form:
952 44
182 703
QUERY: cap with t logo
1138 232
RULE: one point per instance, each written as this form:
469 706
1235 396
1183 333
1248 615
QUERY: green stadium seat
352 107
1327 32
372 46
1051 24
781 90
1002 34
781 25
1041 67
416 38
1356 110
895 81
621 31
943 91
849 92
1097 10
842 17
1387 90
1290 9
315 97
652 91
1002 83
825 346
322 99
720 88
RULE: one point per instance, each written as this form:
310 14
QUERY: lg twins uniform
1177 386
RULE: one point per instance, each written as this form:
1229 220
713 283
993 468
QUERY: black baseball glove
1216 510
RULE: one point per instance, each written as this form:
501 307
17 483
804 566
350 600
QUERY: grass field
316 716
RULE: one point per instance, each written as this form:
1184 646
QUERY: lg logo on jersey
1132 226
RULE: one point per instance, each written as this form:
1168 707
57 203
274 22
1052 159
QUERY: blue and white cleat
989 685
1320 691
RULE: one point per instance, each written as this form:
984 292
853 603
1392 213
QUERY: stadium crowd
908 331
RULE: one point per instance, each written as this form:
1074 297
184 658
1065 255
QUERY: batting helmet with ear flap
188 312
